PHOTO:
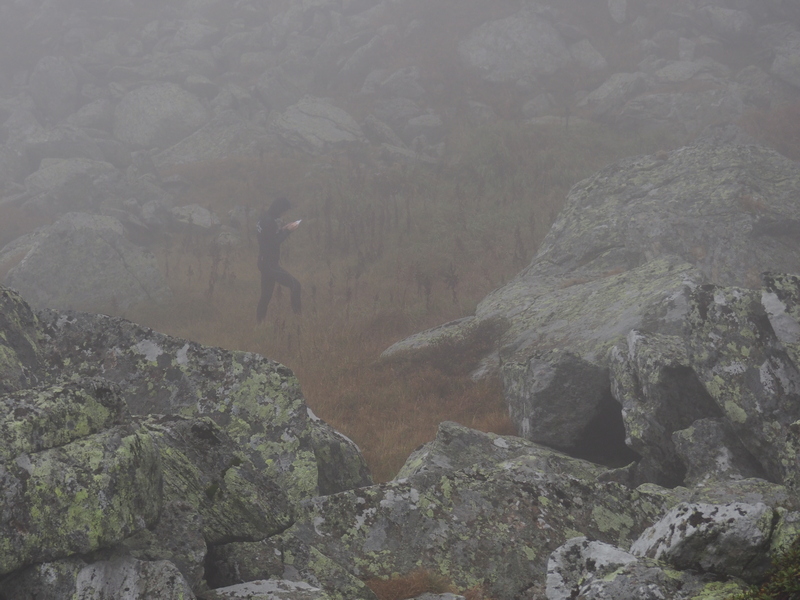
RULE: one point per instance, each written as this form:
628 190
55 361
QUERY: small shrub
783 580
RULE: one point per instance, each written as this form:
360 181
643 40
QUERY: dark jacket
271 235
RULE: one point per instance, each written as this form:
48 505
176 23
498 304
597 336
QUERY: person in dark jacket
271 233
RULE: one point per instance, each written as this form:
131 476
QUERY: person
271 233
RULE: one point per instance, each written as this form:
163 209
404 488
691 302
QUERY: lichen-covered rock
255 400
120 578
457 447
484 525
284 556
204 468
38 419
748 373
598 571
176 538
267 590
710 450
77 498
20 356
731 540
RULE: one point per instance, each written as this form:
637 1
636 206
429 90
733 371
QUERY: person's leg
267 286
284 278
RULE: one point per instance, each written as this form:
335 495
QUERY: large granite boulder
84 261
315 124
255 400
634 250
524 46
158 115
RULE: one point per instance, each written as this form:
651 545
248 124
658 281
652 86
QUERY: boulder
121 578
194 218
158 115
632 251
202 466
614 93
315 124
730 540
38 419
54 87
783 39
85 261
522 46
227 135
72 184
590 569
20 354
267 590
491 524
57 502
255 400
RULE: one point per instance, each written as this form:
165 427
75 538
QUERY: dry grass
381 253
419 582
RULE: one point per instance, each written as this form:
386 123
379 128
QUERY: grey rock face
158 115
267 590
518 47
85 261
20 355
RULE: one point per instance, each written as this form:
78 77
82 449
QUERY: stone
195 218
267 590
121 578
20 354
38 419
158 115
315 124
201 466
587 57
227 135
256 400
579 559
72 184
521 46
614 92
54 87
85 261
57 501
730 540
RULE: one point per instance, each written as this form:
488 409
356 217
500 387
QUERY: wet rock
85 261
227 135
202 467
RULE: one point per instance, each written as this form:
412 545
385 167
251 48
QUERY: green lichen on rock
202 466
77 498
37 419
256 400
